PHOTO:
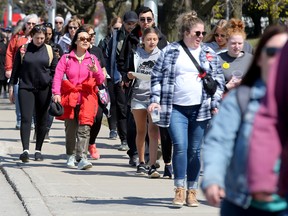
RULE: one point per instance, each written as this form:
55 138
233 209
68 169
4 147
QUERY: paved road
49 188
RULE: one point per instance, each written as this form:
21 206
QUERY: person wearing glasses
185 107
235 61
59 24
95 128
35 73
118 120
217 38
17 40
75 86
226 145
70 29
131 42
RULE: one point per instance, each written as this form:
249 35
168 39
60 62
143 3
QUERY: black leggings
30 100
166 145
96 126
3 83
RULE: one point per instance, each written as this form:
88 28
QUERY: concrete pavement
109 188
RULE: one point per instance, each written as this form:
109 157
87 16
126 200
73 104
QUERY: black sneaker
167 171
133 161
153 173
141 169
113 134
24 157
38 156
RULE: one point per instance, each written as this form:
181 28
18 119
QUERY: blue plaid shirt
163 79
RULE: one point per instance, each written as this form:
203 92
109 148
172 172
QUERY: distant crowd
208 98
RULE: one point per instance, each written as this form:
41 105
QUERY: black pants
29 101
118 109
166 145
3 84
96 126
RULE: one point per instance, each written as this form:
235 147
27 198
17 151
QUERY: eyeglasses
84 38
147 19
92 34
39 28
271 51
31 23
49 25
219 35
72 27
198 33
58 22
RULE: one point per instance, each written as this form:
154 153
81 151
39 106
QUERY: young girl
142 62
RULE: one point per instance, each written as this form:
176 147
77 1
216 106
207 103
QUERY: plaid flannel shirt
163 79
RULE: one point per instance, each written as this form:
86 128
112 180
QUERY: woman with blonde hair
70 29
185 106
217 38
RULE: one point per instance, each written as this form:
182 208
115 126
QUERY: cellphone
55 49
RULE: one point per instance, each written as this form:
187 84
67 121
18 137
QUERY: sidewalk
109 188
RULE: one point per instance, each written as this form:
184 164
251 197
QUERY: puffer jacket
89 101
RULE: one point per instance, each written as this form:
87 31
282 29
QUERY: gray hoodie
144 62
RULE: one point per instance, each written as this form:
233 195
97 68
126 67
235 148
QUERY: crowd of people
192 100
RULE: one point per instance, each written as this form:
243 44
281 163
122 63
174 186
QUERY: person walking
17 40
81 74
226 144
185 106
142 62
69 32
95 128
34 66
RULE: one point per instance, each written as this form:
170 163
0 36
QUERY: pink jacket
76 73
269 140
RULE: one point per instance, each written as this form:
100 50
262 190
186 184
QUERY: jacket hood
144 54
66 39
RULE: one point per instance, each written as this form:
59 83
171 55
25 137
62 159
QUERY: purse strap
201 71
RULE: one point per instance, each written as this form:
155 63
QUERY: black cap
56 109
130 16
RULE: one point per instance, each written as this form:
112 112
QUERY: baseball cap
130 16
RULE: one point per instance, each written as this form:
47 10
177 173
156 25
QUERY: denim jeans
17 106
186 134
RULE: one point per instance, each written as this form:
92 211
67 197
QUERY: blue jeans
186 134
17 106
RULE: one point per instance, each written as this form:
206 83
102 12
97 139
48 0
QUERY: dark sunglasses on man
147 19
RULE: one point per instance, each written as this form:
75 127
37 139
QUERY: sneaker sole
177 205
24 160
46 141
70 166
154 175
88 166
192 205
167 177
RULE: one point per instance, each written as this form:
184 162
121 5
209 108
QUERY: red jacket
88 101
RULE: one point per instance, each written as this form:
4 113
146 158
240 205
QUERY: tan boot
191 200
179 199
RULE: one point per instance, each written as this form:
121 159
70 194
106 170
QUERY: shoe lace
191 195
178 193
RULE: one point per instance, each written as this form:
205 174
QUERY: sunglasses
31 23
92 34
271 51
39 28
84 38
49 25
58 22
198 33
72 27
147 19
219 35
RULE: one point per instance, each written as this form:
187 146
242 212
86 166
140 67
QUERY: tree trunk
236 8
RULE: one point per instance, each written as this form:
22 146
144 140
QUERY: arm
53 64
218 148
58 76
10 52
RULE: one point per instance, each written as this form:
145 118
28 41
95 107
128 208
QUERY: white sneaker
70 161
84 164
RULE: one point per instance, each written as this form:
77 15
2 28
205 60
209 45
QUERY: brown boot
191 200
179 199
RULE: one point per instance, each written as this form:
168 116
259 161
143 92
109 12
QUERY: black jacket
130 43
3 48
34 72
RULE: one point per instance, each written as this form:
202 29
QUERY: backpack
48 47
